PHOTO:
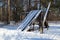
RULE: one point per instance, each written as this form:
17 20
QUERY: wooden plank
45 16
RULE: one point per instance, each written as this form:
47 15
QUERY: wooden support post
40 20
33 26
41 27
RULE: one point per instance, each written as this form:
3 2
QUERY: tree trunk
8 14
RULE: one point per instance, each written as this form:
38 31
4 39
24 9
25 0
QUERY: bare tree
8 14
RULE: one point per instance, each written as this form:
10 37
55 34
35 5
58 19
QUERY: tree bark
8 14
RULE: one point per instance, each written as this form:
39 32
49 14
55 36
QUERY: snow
9 32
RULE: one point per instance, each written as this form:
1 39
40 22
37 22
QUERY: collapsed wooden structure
16 10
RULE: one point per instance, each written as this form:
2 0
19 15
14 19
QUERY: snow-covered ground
9 32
